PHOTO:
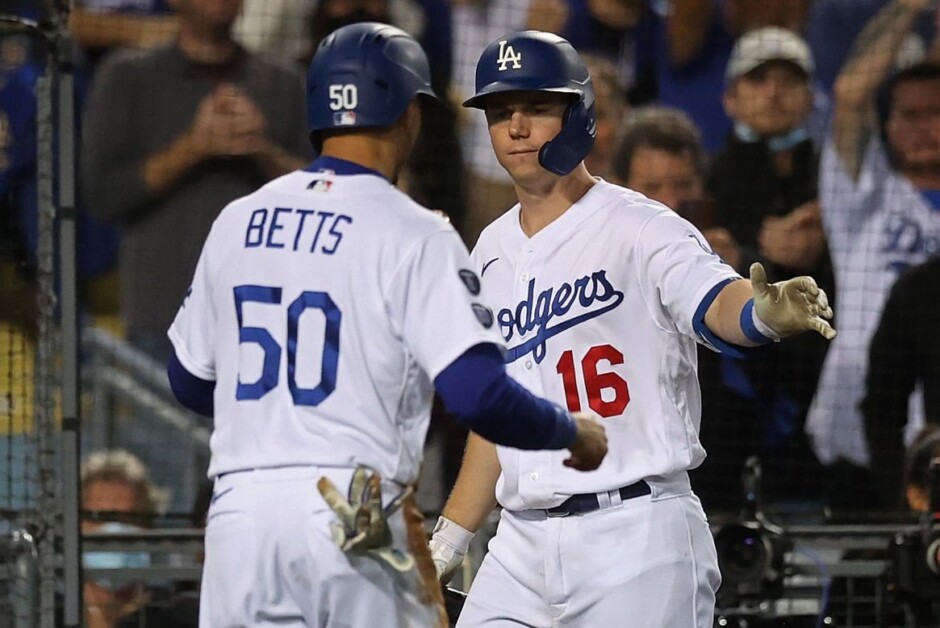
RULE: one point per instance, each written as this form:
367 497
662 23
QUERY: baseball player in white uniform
325 309
600 295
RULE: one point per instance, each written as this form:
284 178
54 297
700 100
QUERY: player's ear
413 115
410 121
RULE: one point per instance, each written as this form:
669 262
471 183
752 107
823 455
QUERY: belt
589 502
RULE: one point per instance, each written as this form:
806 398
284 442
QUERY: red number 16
594 382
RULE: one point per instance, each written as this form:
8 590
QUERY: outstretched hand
791 307
363 523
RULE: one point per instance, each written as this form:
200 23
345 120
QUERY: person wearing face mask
117 496
763 183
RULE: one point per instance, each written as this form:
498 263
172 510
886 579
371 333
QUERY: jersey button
525 277
534 476
528 364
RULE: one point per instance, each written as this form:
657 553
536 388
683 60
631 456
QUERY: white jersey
597 312
323 306
876 227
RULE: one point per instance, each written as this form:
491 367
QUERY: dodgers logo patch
470 280
483 314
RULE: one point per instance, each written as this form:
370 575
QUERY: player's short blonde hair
121 466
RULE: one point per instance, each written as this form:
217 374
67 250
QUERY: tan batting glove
363 523
790 307
449 544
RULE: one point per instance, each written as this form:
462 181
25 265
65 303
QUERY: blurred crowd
804 134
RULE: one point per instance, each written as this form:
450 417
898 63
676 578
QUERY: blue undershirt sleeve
476 389
194 393
710 338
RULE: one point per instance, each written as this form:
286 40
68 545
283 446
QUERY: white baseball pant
271 561
649 562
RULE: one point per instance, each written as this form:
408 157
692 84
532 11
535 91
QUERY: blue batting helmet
533 61
364 75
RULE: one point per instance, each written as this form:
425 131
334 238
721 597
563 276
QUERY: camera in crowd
751 550
915 569
915 555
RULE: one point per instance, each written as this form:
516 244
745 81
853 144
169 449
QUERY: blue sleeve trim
709 338
747 325
476 389
192 392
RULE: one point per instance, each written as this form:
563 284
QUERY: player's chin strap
565 151
363 523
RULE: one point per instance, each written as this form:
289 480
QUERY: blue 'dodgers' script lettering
538 310
296 229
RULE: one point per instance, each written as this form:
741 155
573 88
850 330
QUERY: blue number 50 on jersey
270 372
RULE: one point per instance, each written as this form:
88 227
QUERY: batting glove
363 523
789 307
449 544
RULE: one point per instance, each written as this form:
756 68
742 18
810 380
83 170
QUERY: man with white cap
764 186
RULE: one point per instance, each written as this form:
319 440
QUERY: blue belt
588 502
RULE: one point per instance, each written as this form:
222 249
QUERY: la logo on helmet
508 55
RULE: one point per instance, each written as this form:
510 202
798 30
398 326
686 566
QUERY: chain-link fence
31 366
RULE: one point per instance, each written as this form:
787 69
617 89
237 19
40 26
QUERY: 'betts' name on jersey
282 227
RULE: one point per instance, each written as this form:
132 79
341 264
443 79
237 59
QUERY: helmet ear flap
565 151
